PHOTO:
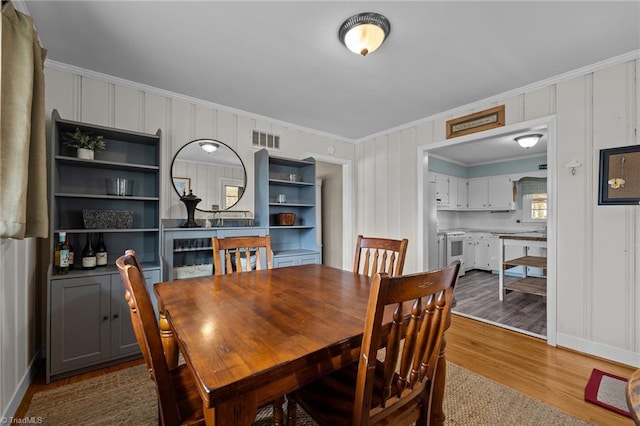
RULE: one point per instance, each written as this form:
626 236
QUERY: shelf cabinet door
123 338
80 322
500 195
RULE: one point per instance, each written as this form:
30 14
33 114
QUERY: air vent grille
265 140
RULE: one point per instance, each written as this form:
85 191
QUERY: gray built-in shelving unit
88 320
295 244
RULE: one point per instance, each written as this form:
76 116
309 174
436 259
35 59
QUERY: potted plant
84 142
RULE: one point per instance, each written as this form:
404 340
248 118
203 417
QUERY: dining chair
398 388
239 253
179 402
379 255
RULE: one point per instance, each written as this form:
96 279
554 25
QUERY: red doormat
608 391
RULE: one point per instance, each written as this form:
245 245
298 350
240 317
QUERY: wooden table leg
241 411
437 403
168 340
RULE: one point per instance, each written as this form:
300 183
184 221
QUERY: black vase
190 201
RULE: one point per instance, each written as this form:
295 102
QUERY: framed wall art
477 122
619 180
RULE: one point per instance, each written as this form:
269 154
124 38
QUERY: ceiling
283 60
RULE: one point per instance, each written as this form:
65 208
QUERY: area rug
127 397
607 391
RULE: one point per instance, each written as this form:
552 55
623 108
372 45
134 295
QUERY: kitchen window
534 207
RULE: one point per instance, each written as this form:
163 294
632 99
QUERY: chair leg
291 412
278 414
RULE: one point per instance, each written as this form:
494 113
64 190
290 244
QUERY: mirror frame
244 171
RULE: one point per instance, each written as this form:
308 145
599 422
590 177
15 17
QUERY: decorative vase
85 153
190 201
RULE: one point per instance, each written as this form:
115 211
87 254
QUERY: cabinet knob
116 316
106 317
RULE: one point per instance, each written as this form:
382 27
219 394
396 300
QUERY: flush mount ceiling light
527 141
209 146
364 33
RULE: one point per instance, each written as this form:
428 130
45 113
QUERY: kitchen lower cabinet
469 252
482 251
89 322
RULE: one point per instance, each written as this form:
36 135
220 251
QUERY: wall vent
265 140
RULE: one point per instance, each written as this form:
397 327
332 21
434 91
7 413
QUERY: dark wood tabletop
252 337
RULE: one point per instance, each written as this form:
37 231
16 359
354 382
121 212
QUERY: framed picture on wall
619 176
182 185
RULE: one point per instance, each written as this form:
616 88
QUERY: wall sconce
364 33
571 165
527 141
209 146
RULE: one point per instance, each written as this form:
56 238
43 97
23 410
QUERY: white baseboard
21 389
600 350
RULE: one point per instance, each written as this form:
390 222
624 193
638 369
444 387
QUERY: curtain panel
23 150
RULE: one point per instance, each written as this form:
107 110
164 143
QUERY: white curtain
23 151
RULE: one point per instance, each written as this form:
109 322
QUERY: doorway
426 205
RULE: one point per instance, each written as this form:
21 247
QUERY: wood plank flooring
527 364
477 297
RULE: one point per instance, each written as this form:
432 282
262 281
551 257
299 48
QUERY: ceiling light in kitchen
527 141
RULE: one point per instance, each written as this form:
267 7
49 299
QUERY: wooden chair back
379 255
422 304
237 251
145 326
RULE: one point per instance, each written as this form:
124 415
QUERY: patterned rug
607 391
127 397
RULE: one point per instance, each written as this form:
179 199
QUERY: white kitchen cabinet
491 193
501 193
442 189
458 193
478 193
482 251
469 253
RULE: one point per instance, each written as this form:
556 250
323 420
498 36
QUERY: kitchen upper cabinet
457 193
491 193
478 193
501 193
442 189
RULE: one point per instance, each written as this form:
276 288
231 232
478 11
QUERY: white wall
598 255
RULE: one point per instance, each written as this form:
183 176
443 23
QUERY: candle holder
190 201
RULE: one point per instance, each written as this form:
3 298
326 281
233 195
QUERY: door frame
548 122
347 204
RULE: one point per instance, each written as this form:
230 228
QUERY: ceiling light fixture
364 33
209 146
527 141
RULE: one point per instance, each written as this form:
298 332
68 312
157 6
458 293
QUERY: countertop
503 233
522 237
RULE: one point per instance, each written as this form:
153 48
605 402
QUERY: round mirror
212 170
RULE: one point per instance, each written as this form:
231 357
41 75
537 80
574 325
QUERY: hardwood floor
525 363
477 297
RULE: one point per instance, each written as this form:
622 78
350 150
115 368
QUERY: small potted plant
86 143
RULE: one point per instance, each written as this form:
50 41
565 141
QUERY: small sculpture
190 201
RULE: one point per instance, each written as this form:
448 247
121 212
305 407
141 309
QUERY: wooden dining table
252 337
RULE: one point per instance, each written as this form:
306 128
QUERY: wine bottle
61 255
71 256
101 251
88 254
